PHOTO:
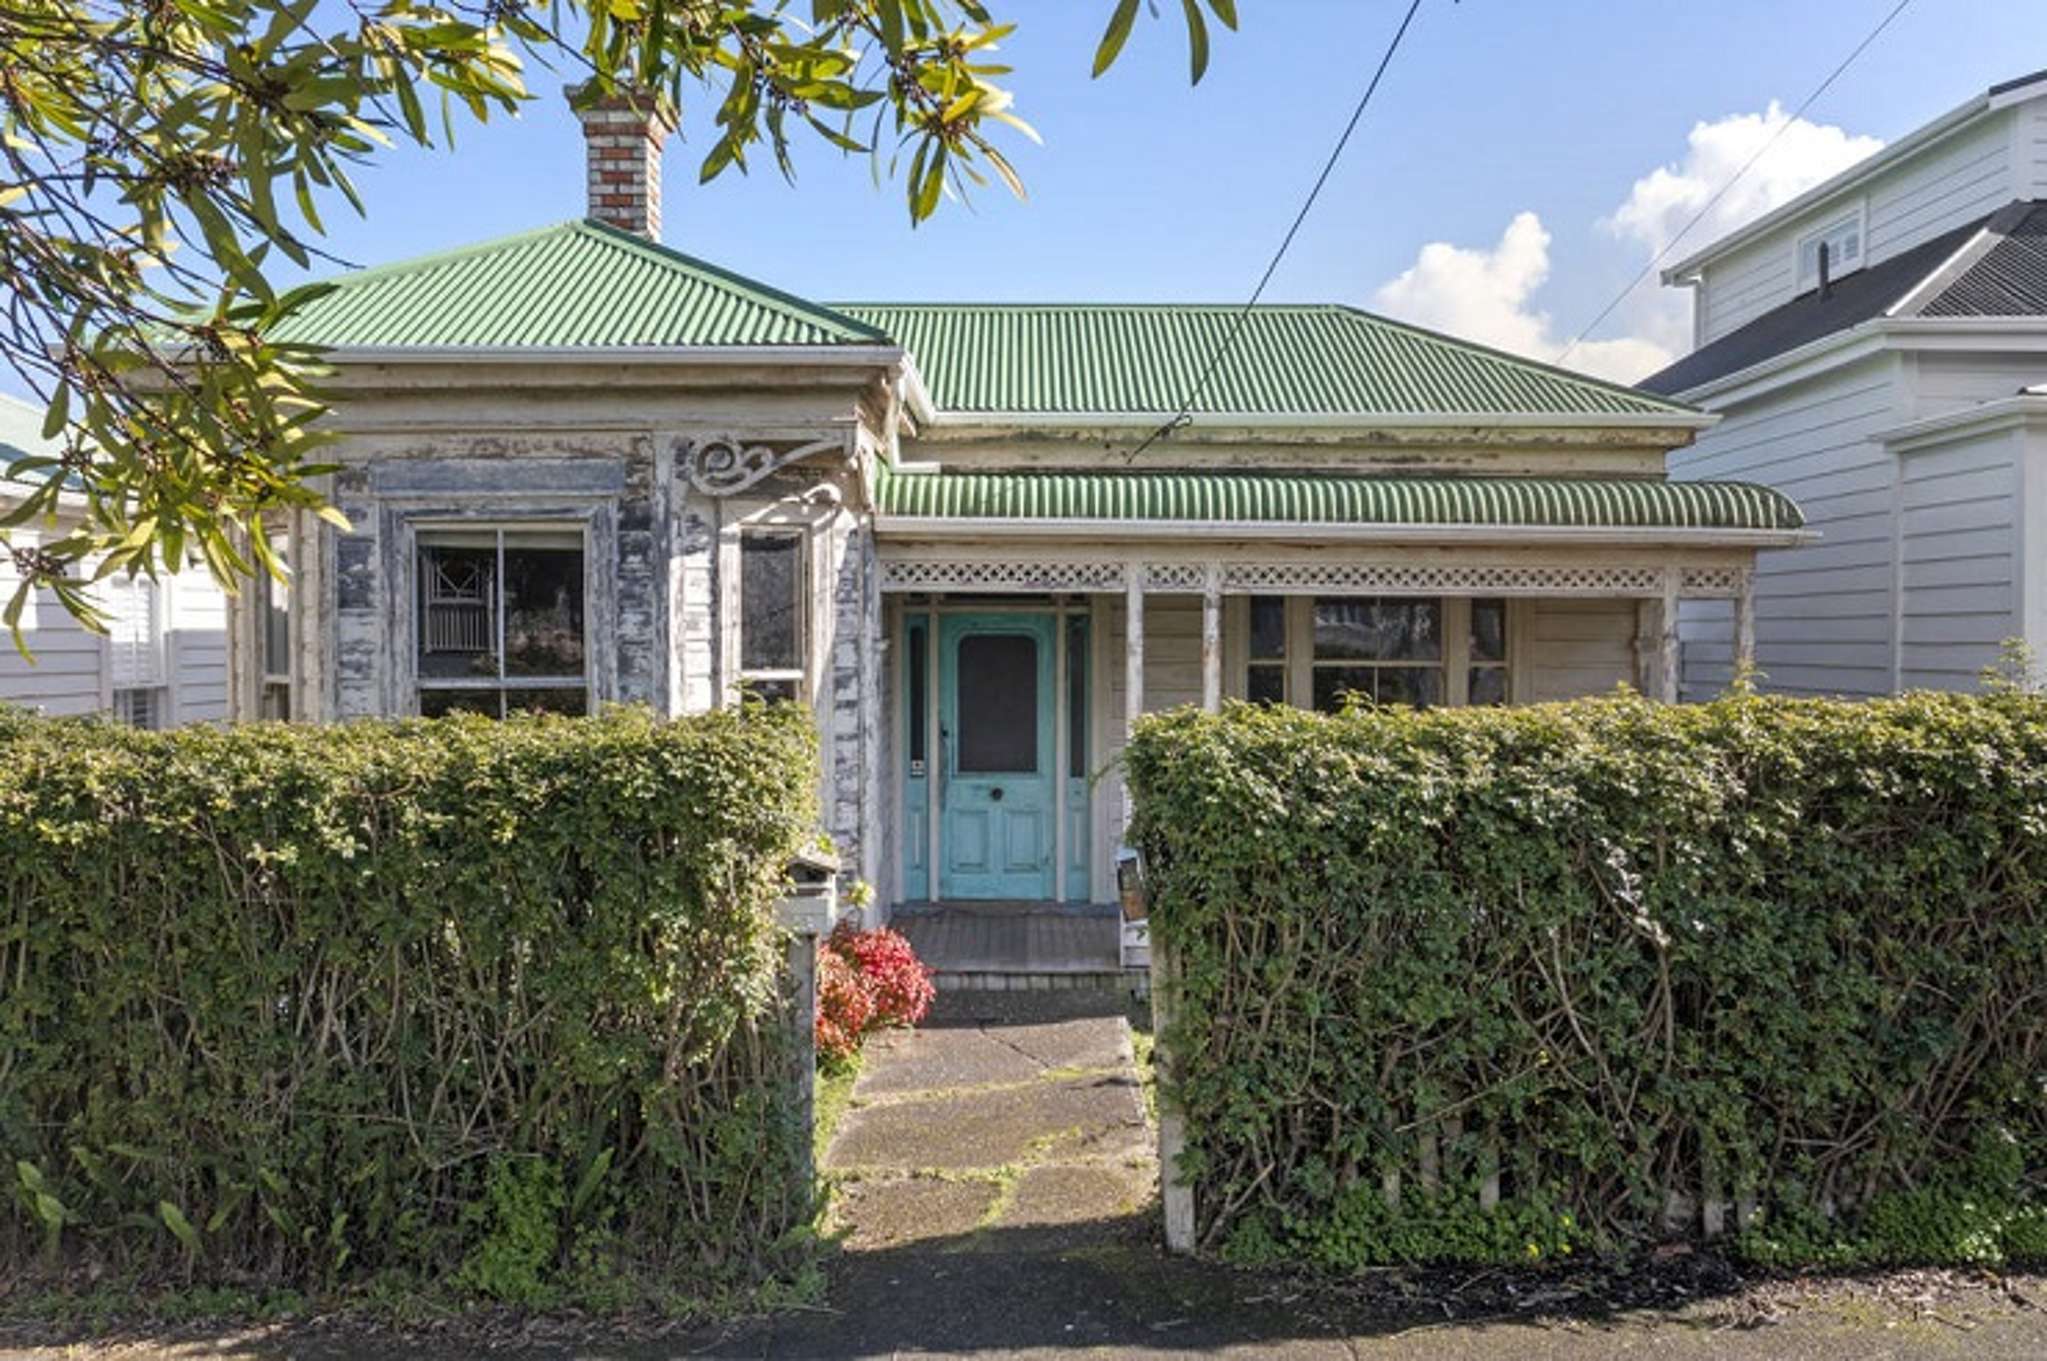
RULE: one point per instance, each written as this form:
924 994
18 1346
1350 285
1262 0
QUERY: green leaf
1197 39
181 1228
1120 24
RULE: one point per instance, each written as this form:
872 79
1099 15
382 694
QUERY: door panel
996 796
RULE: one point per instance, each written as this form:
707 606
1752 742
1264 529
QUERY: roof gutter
804 355
1908 333
2021 409
958 527
1338 421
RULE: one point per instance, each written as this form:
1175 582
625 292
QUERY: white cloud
1485 295
1489 294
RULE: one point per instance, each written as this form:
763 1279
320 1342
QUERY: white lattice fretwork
1322 577
1713 581
1006 577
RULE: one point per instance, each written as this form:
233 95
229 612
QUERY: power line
1721 193
1180 416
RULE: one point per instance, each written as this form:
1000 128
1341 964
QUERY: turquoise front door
996 739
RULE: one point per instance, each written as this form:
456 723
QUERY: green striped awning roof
1310 498
578 284
1318 359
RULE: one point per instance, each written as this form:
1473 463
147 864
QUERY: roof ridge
1084 305
762 294
1522 361
765 292
413 264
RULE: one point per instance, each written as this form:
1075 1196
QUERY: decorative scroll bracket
725 464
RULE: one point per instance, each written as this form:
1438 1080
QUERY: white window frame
420 539
1856 221
272 684
798 676
1455 664
139 706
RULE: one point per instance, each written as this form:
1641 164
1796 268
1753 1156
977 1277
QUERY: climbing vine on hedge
488 1004
1503 985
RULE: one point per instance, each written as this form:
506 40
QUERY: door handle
995 794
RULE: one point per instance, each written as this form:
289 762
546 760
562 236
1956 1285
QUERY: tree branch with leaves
158 157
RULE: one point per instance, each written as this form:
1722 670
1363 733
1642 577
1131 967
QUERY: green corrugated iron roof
566 286
584 284
1313 498
1318 359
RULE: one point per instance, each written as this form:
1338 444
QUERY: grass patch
834 1098
1142 1044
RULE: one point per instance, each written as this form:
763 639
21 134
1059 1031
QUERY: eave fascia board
2005 413
1795 365
808 356
1869 337
1897 152
1238 422
909 527
916 396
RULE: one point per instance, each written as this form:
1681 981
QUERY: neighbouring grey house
1877 349
163 660
579 466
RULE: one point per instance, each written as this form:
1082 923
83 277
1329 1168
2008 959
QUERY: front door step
1018 947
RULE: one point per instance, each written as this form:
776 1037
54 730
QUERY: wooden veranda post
1667 654
1745 624
1212 639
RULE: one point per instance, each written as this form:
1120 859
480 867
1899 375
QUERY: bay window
500 618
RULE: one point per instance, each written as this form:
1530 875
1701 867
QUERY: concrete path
998 1198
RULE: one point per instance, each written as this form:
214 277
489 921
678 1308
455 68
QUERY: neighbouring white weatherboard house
1897 395
164 658
582 467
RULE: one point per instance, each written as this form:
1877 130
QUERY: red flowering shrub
845 1008
866 980
896 979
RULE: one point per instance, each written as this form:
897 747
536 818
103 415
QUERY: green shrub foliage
494 1005
1778 964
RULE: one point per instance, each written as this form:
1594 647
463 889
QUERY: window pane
1489 630
1268 626
276 627
773 691
1334 683
457 603
998 703
543 607
1488 685
919 666
1417 685
441 703
1379 630
769 596
1076 698
559 700
1266 685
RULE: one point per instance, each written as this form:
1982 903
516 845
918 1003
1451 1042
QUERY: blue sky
1147 189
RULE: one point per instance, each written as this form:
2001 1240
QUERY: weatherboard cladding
1316 359
573 285
1308 498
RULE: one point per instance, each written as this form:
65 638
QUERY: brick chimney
623 134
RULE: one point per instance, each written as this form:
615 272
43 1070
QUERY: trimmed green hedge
1779 962
474 1004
